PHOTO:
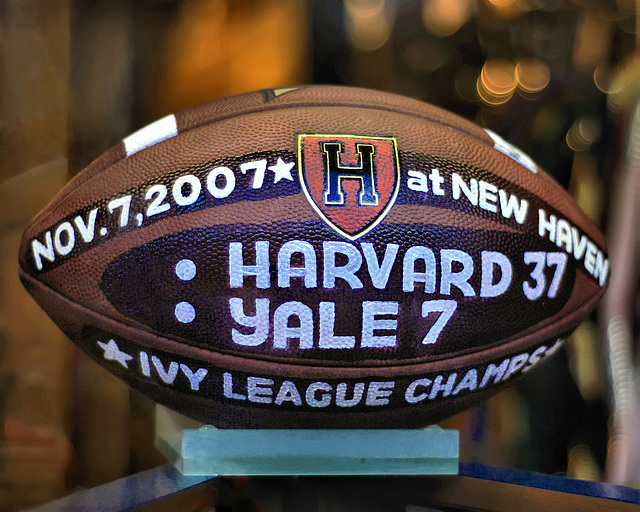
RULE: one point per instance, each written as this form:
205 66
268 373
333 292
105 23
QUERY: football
315 257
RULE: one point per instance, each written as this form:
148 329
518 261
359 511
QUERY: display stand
197 449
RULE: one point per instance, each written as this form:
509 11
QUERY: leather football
315 257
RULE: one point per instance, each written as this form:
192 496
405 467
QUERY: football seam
339 105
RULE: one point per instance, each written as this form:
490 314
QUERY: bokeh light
496 82
532 75
585 131
368 23
445 17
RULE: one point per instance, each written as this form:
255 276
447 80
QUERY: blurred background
559 78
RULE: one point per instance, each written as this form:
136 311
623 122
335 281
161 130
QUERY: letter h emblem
333 193
351 181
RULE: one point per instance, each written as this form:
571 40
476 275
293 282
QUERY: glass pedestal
198 449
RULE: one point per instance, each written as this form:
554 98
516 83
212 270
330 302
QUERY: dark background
555 77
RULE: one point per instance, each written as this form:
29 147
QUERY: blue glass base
197 449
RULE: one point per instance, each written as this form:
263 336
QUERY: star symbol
282 170
113 353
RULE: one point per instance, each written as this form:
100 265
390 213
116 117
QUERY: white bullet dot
186 270
185 312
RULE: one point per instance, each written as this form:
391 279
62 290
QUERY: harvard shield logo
351 181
